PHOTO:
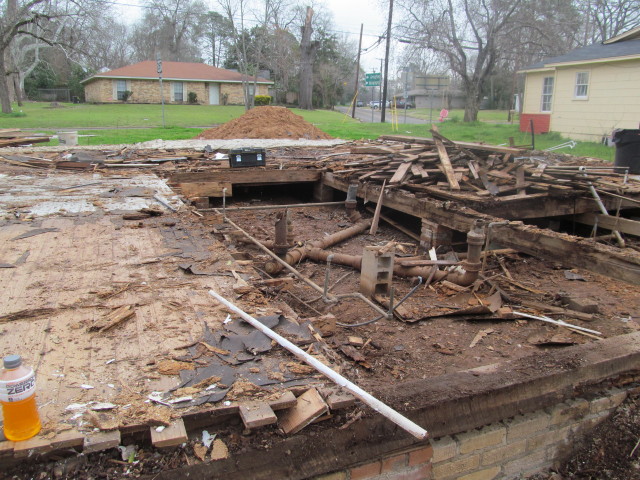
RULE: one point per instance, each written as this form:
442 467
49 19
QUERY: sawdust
243 388
173 367
266 122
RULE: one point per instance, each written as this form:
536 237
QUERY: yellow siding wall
148 91
613 99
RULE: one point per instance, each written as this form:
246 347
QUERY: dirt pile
266 122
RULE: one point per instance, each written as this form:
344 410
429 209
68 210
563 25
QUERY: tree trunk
472 103
307 51
4 86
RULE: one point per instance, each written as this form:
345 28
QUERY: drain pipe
281 244
351 203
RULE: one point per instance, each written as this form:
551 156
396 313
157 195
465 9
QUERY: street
369 115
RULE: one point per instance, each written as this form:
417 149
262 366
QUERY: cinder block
479 439
366 471
487 474
455 467
395 463
569 411
534 462
525 425
592 421
500 454
443 449
423 455
549 438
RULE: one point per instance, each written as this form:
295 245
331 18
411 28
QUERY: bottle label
19 389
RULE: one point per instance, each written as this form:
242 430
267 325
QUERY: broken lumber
309 407
446 162
359 393
376 215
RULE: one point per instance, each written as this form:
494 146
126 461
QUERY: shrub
192 97
224 98
126 95
260 100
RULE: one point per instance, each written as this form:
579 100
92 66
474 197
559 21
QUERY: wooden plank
396 225
472 146
400 173
33 446
6 448
520 184
446 165
68 439
249 176
622 225
171 436
99 441
257 414
337 399
376 215
206 189
309 406
286 400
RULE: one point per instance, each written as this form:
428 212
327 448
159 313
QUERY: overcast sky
347 14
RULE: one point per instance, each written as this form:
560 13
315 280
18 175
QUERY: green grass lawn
126 123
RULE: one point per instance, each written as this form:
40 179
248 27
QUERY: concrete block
569 411
531 463
506 452
422 455
480 439
525 425
617 397
368 470
443 449
599 404
549 438
333 476
455 467
487 474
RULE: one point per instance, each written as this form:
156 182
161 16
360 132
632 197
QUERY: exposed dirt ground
266 122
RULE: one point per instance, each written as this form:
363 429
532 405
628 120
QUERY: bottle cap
12 361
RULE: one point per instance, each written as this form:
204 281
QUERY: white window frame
117 92
174 92
547 94
581 89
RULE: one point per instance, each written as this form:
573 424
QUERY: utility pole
159 69
386 62
355 95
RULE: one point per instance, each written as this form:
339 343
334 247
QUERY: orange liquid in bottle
21 419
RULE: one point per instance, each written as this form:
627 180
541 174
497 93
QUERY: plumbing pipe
298 254
280 245
386 411
557 322
351 203
306 280
604 211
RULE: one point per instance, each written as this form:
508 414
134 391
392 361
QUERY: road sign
372 79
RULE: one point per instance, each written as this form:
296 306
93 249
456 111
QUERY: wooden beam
624 225
249 176
471 146
206 189
171 436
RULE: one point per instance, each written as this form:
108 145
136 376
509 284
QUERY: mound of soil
266 122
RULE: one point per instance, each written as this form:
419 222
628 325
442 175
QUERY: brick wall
513 448
148 91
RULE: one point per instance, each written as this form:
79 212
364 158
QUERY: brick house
212 85
586 93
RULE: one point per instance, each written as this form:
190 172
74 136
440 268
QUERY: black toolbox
247 157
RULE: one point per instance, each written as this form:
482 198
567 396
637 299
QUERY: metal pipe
306 280
274 207
557 322
604 211
326 276
386 411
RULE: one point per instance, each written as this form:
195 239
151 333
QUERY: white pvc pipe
557 322
386 411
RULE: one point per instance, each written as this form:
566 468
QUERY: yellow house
588 92
211 85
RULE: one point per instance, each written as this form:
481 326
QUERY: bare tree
608 18
468 33
307 54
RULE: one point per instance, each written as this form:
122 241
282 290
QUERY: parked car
401 104
359 103
375 104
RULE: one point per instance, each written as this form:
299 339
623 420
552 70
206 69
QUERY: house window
547 94
178 91
121 87
582 85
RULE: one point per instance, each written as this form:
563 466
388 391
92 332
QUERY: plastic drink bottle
18 398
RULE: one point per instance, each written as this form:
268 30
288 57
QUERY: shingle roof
174 71
596 51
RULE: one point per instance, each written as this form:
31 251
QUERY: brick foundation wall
516 447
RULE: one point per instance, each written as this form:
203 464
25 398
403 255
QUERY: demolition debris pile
266 122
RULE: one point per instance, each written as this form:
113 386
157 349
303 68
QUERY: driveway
369 115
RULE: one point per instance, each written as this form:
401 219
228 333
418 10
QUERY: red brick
423 455
394 464
421 473
366 471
